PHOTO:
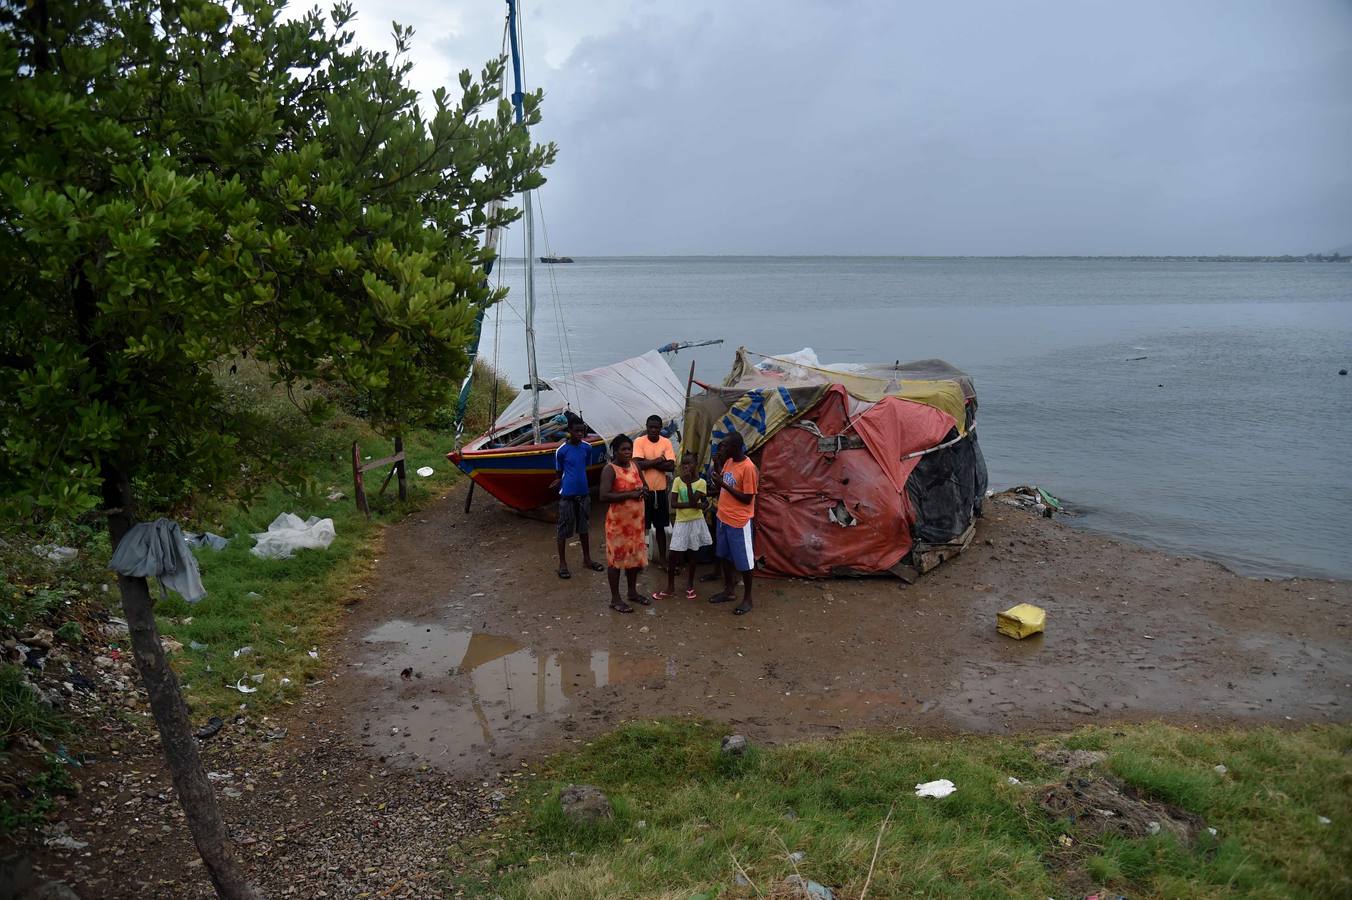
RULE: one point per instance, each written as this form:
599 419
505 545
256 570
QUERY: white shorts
690 535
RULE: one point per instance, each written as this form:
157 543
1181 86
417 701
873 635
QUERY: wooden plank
358 488
398 457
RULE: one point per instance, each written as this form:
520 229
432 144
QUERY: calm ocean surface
1232 439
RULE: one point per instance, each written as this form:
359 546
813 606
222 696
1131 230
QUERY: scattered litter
1066 840
1324 820
1021 621
314 653
1013 781
807 887
288 533
426 471
205 539
1030 497
58 839
276 734
196 645
244 688
285 681
937 789
257 679
169 645
1100 806
242 651
1221 770
56 554
407 673
336 495
797 856
219 776
1211 831
209 730
254 595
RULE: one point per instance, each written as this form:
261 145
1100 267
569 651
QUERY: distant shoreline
1309 258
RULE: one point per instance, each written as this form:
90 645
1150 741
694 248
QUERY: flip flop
741 610
722 597
621 607
691 595
596 566
564 573
641 601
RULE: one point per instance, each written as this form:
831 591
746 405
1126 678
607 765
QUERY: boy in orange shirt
737 482
656 459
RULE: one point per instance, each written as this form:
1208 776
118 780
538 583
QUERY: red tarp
800 486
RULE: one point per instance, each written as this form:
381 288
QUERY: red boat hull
521 476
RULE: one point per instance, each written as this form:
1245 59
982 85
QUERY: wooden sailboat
514 459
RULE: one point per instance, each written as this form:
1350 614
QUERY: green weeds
683 815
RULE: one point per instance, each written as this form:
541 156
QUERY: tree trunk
171 715
401 467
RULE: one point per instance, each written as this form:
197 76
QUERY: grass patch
282 609
279 608
683 814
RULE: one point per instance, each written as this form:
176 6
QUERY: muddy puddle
448 694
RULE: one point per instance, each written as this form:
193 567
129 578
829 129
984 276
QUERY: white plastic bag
938 789
288 533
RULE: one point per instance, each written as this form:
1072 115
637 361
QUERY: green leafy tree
183 181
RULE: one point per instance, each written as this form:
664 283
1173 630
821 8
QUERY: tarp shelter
864 469
614 399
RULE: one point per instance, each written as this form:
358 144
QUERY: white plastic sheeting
613 399
288 533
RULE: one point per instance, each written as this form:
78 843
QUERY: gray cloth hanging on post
158 550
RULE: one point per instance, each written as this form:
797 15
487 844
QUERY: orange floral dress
626 539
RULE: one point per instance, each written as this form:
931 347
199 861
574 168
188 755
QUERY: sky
919 128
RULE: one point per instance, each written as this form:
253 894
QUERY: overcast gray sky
873 127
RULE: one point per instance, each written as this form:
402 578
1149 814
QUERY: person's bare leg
613 576
690 571
631 581
563 553
729 592
585 538
745 606
671 573
662 546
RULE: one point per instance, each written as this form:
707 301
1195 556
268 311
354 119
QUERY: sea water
1192 406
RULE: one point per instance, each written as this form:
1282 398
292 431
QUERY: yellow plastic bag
1021 621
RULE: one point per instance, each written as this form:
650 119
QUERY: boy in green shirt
689 498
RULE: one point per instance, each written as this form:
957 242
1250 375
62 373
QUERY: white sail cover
613 399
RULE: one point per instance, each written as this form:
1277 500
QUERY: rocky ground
466 659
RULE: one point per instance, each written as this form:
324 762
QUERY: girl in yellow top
689 497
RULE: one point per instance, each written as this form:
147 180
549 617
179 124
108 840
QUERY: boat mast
517 101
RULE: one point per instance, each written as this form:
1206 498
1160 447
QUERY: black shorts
574 516
657 509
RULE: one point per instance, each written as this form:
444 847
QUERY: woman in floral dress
622 487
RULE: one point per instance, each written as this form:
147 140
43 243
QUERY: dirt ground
467 652
465 656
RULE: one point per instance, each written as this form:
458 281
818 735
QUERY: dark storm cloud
993 128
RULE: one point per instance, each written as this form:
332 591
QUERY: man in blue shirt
570 461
